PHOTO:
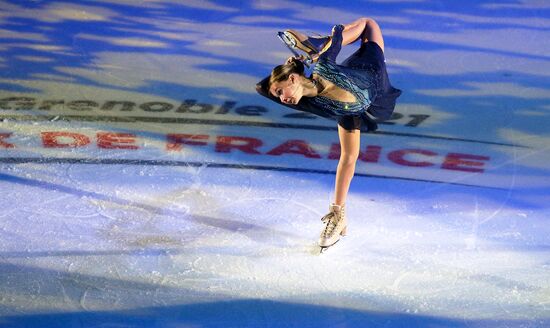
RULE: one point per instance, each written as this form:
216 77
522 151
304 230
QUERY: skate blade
325 248
290 42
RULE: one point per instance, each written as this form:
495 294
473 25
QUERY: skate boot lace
331 220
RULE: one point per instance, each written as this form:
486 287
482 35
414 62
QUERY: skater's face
288 91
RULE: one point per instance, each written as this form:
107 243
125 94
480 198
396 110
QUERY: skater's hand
300 58
337 28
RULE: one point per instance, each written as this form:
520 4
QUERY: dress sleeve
336 44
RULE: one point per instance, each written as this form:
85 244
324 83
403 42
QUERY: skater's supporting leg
349 152
336 222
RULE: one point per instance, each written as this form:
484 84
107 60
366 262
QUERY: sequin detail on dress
361 86
360 82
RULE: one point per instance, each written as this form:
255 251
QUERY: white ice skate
311 46
336 225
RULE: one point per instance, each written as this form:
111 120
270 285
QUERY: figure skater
354 92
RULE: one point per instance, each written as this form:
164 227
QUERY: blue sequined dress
363 74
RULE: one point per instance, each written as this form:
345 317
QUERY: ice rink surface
146 184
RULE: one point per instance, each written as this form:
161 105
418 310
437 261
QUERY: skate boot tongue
335 208
335 225
331 220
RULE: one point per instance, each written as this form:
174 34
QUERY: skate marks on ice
169 210
161 219
254 247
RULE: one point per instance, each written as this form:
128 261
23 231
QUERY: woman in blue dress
355 92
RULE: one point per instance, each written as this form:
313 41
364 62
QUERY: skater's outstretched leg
365 29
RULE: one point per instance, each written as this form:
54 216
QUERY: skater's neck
312 87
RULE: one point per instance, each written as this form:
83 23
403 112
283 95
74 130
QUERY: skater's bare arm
349 144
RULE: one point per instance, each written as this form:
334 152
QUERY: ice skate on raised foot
336 225
310 45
